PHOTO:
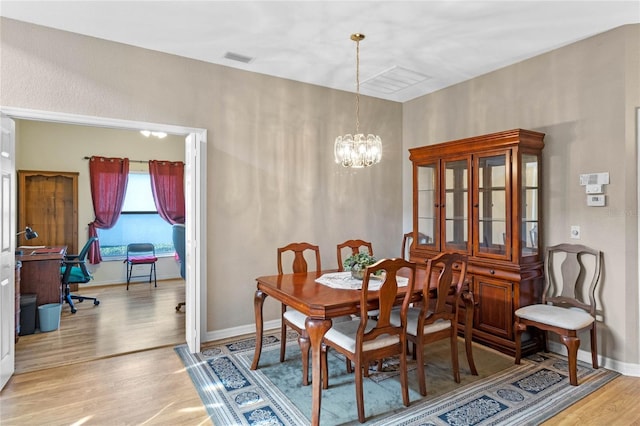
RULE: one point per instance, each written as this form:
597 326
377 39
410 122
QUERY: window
139 222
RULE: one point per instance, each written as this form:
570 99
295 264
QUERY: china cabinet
482 196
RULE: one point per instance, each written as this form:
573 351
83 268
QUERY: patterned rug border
466 405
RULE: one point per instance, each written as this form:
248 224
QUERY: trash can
49 316
28 303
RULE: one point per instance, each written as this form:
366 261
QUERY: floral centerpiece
358 263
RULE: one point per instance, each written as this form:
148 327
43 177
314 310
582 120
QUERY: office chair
74 271
179 243
141 254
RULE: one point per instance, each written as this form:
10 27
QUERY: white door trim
195 199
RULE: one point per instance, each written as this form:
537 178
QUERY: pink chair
141 254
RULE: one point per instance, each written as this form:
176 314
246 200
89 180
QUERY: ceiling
411 48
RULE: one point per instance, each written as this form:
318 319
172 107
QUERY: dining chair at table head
291 317
407 239
364 340
437 316
572 272
352 247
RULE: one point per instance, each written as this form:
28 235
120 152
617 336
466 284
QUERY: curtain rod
131 161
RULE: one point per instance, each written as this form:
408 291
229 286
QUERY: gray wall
271 177
584 97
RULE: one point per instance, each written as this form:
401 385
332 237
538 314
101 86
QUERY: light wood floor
125 321
152 386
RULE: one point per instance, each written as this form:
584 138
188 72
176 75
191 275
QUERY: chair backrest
572 272
407 239
74 268
354 246
299 264
179 242
140 249
387 295
85 250
450 271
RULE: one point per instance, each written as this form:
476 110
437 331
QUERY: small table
320 304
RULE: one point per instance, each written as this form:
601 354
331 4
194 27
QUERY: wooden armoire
482 196
48 203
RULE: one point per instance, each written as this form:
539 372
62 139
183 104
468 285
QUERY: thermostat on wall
595 200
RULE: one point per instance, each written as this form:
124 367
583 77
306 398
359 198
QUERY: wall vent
393 80
238 57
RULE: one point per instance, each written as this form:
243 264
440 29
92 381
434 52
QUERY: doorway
195 198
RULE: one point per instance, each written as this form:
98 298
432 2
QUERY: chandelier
357 151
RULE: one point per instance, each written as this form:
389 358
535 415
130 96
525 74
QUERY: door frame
195 202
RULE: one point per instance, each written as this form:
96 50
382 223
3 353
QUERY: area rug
502 393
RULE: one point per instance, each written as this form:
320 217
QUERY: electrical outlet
575 232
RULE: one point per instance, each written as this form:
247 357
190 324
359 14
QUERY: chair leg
455 365
572 343
404 381
518 329
153 271
67 298
359 391
324 367
129 270
419 357
594 346
283 342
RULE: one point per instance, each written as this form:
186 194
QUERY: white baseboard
624 368
238 331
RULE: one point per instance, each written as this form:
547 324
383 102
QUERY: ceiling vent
238 57
393 80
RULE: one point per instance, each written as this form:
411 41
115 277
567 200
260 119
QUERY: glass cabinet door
427 206
492 206
455 207
530 204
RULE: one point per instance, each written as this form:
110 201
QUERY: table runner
344 280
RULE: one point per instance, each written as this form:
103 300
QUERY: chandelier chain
357 86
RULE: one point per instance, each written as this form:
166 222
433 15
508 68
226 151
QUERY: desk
40 273
320 304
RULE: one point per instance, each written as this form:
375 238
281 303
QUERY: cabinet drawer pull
492 272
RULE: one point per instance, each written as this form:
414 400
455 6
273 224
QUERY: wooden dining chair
291 317
364 340
572 272
407 239
354 246
436 317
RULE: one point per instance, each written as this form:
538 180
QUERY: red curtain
167 186
108 178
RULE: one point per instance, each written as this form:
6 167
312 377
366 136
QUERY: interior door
196 200
7 250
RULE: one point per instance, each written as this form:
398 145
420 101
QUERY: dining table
321 303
